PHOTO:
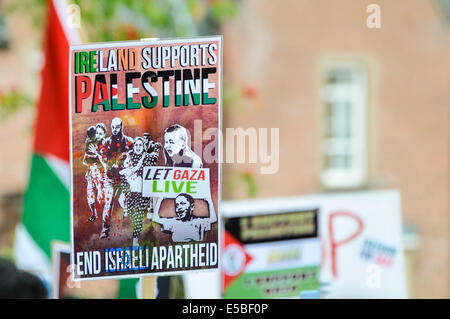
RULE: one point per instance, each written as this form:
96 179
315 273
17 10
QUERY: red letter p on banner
81 94
335 244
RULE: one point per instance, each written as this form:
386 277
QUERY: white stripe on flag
60 168
67 15
29 256
27 253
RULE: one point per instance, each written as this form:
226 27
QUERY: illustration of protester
95 175
186 226
134 164
149 145
176 149
115 148
153 149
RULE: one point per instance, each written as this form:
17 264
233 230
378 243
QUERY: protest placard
361 235
144 192
361 243
270 255
61 270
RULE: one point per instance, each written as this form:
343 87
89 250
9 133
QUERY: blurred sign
270 255
144 168
363 249
61 270
63 287
361 236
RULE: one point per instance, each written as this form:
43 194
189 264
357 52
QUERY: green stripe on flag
47 214
46 208
127 289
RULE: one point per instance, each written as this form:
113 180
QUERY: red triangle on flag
100 89
235 259
114 91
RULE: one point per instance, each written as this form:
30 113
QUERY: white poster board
361 234
363 247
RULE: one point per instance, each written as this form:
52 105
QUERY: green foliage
250 182
34 9
119 20
222 10
11 102
245 177
232 96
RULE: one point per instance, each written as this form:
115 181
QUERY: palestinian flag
46 215
235 259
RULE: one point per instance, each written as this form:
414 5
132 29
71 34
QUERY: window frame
356 175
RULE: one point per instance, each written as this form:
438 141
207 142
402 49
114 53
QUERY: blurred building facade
358 108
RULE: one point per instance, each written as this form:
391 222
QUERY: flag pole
148 287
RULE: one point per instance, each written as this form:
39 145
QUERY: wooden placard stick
148 287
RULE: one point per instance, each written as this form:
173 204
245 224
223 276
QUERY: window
345 126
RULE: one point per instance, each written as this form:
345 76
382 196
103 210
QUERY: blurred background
361 103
